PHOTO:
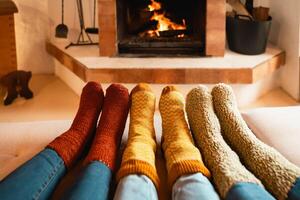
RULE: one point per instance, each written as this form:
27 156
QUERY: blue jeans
38 177
294 193
192 187
248 191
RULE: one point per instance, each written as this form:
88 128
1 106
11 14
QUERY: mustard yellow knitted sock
276 173
224 164
139 154
182 157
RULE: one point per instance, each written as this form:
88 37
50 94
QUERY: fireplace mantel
214 36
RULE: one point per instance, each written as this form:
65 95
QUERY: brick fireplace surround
215 27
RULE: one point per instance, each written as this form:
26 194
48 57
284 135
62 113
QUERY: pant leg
194 187
294 193
136 187
36 179
92 184
248 191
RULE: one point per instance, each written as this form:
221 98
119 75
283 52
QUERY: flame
164 23
154 6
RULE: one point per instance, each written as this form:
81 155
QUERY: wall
32 30
285 33
71 18
35 24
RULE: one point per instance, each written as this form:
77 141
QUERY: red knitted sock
111 126
70 144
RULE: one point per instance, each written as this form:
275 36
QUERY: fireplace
161 27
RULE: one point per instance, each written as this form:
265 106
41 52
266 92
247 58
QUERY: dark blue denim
248 191
92 184
294 194
36 179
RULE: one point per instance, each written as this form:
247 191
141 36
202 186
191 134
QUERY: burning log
172 33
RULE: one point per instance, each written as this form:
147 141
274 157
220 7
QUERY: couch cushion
278 127
19 141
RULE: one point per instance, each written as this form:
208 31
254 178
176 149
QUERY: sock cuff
138 167
186 167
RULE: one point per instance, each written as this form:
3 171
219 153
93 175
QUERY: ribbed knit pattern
70 144
276 173
182 157
223 163
106 143
139 154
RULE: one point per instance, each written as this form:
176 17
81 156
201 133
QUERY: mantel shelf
232 68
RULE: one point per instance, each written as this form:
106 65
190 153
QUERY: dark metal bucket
247 36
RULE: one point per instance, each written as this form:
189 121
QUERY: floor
54 100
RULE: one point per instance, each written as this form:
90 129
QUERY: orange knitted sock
111 126
70 144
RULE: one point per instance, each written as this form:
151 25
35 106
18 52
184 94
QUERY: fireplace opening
161 27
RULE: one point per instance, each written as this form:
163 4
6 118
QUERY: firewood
261 13
239 8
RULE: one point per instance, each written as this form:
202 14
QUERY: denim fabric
92 184
294 193
136 187
248 191
35 179
193 187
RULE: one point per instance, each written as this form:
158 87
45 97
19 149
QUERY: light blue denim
191 187
36 179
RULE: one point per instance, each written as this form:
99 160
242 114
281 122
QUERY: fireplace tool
61 30
94 29
81 41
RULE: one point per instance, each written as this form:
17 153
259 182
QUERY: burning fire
164 23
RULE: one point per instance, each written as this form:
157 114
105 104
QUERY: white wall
35 24
32 30
71 18
285 33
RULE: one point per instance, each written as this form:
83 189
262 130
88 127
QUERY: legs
94 181
227 170
138 170
136 187
36 179
193 186
276 173
186 171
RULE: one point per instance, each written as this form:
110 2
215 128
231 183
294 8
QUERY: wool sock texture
182 156
223 163
276 173
71 143
139 154
106 143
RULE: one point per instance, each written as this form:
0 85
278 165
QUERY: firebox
161 27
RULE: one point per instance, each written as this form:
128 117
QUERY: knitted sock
276 173
70 144
224 164
139 154
181 155
109 133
